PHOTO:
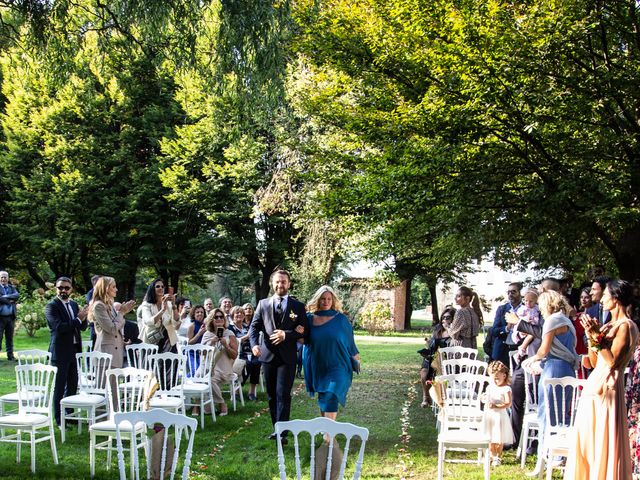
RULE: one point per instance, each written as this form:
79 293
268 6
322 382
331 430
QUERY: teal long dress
327 358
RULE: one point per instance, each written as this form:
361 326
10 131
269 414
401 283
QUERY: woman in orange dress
601 450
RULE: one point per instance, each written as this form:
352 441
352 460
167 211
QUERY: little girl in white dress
496 419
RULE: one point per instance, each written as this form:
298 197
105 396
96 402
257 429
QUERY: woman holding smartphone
226 344
160 317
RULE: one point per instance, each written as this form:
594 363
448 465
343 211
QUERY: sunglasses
218 316
159 286
63 288
512 291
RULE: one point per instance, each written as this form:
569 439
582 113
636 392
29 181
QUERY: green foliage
376 317
460 129
420 295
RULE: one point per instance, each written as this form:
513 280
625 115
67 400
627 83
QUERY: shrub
376 317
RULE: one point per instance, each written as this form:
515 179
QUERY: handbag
355 365
155 335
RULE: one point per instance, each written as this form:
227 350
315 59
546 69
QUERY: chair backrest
169 371
138 355
463 391
452 353
174 427
35 388
92 369
87 346
199 372
320 426
182 342
30 357
530 391
131 397
464 365
562 395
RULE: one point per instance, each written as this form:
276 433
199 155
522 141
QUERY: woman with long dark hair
601 448
160 317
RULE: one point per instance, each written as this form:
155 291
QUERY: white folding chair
138 355
235 388
327 427
530 416
173 426
562 396
464 365
121 400
92 391
35 394
462 427
24 357
452 353
169 371
87 346
182 342
197 380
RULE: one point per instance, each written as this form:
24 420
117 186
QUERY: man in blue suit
500 330
65 319
277 318
8 299
597 290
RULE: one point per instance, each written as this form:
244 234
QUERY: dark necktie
600 316
69 311
279 311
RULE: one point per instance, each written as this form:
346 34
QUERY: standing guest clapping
109 322
160 317
65 320
329 352
601 448
277 318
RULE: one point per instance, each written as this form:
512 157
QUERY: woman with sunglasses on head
226 344
160 317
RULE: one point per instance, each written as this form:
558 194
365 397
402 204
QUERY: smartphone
220 332
187 304
170 290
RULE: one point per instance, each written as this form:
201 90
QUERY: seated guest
223 339
439 338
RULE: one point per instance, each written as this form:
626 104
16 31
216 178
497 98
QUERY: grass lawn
385 398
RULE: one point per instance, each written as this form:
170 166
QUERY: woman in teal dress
328 351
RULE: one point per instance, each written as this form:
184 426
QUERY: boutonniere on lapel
293 316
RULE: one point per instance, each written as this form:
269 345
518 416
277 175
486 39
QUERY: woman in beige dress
108 321
219 336
601 449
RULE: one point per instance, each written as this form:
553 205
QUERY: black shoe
284 440
272 436
12 358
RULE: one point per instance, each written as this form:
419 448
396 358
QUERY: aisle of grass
385 398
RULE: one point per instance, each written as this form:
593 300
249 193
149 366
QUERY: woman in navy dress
327 354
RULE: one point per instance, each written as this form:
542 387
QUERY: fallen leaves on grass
405 464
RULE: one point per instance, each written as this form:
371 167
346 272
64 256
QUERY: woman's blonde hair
234 310
551 302
313 306
101 294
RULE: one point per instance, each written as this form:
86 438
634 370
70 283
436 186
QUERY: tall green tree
479 128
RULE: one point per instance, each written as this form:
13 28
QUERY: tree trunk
435 314
402 309
628 260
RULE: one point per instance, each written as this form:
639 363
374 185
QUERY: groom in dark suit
65 321
277 318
